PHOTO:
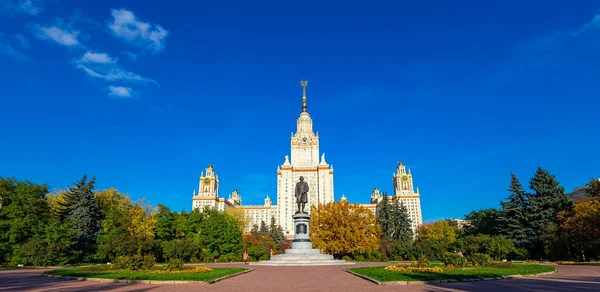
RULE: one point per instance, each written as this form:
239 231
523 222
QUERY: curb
155 282
448 280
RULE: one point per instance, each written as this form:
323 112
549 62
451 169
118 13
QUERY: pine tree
276 232
263 228
81 209
254 229
384 217
547 200
514 215
402 232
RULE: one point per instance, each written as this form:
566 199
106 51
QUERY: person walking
272 253
245 256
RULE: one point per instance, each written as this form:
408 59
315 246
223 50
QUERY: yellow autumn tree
240 217
54 199
142 220
114 206
340 228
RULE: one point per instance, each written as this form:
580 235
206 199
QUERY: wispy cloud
127 26
31 7
8 50
96 58
592 25
23 41
121 92
115 74
60 34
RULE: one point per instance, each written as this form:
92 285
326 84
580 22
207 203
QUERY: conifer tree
384 217
276 232
514 215
402 230
264 230
546 201
82 211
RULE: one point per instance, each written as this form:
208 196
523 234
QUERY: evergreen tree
84 214
264 230
482 222
276 232
384 217
514 215
402 230
254 229
547 200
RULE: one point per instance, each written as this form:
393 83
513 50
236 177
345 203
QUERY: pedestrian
245 257
272 253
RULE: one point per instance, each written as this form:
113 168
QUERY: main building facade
304 160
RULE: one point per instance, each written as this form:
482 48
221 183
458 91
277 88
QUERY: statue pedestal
302 253
301 232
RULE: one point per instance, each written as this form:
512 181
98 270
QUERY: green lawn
379 274
145 275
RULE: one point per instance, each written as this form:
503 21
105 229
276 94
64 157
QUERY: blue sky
144 95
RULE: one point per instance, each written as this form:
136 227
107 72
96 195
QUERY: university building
304 160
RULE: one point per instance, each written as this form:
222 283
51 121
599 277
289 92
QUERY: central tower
304 162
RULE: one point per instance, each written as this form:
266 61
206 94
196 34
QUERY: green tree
546 201
514 215
435 238
83 212
220 234
24 212
164 223
264 230
484 221
276 233
254 229
593 188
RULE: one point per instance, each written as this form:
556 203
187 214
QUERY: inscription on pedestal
301 228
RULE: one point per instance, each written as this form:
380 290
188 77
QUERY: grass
106 273
379 274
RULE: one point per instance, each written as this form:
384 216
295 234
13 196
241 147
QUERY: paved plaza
321 278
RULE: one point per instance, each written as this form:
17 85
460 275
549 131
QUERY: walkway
322 278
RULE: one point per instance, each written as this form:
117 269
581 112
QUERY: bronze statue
301 194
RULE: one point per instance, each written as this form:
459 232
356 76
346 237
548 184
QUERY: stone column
301 232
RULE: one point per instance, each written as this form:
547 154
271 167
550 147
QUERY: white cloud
32 7
23 41
593 24
97 58
115 74
8 50
62 36
125 25
120 91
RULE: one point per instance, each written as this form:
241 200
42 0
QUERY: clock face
404 178
206 181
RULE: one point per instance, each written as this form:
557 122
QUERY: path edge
391 283
155 282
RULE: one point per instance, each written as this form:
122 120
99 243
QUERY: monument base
301 253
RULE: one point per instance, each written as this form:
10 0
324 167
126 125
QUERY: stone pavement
321 278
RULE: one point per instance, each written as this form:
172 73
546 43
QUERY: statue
301 194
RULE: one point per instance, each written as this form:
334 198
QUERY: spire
304 83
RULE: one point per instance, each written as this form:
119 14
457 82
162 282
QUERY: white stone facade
208 192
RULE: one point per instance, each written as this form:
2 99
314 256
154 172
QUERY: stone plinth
301 253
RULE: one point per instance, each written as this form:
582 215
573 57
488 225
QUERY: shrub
347 258
148 262
423 262
129 262
174 265
500 265
479 259
409 269
453 260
